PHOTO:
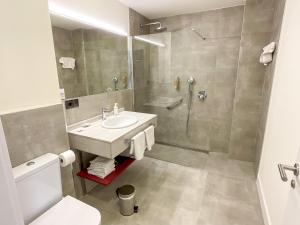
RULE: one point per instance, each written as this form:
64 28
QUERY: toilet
40 192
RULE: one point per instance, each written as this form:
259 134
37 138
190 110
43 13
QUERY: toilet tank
39 185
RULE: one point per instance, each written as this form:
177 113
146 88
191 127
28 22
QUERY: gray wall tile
226 65
213 63
266 90
90 106
135 20
32 133
247 110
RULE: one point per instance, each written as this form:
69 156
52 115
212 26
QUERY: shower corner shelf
120 168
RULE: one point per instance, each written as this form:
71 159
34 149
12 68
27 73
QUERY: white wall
109 11
28 76
282 141
10 210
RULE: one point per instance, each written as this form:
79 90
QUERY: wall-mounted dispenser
177 83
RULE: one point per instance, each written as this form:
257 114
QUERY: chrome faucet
104 111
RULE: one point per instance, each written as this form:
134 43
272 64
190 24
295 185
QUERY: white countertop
98 132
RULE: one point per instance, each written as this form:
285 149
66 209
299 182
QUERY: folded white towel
266 58
270 48
98 168
67 62
101 175
267 55
102 161
102 165
138 146
150 140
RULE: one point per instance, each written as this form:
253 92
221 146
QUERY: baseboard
263 204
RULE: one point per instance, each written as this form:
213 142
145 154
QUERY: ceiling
163 8
68 24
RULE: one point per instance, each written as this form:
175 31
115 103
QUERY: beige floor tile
169 193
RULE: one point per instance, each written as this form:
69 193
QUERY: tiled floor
219 192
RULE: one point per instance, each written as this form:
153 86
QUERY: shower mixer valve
202 95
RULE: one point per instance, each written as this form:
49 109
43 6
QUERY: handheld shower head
191 80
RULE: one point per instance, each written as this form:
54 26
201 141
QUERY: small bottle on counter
116 109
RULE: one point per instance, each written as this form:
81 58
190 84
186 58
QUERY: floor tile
219 192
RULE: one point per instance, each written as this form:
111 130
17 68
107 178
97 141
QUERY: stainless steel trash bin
126 196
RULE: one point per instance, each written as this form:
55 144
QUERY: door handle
282 168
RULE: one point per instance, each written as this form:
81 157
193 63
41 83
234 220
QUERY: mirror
89 60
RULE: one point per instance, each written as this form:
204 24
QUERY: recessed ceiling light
149 41
57 10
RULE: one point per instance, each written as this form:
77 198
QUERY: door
292 211
10 211
281 202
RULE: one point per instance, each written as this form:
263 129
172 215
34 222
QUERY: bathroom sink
116 122
103 138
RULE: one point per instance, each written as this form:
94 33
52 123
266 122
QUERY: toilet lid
69 211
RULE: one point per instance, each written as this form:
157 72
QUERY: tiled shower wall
106 56
99 56
248 103
225 64
212 62
70 44
266 92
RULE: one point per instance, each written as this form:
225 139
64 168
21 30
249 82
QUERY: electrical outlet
72 103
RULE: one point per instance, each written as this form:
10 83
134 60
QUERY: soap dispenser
116 109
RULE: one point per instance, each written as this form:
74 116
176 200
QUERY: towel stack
67 62
142 141
101 167
267 55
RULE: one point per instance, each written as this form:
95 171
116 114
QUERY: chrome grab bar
174 104
282 168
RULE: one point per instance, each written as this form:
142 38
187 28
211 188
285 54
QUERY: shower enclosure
200 115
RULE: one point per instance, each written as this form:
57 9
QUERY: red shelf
122 166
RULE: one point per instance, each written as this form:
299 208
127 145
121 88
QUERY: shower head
160 28
198 33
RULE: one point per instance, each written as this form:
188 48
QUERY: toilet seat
69 211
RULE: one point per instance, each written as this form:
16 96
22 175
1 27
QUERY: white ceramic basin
117 122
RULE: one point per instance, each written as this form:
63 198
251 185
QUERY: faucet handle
202 95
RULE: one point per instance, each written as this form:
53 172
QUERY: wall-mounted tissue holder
66 158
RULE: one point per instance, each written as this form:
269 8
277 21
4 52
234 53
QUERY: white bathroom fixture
40 193
117 122
92 137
